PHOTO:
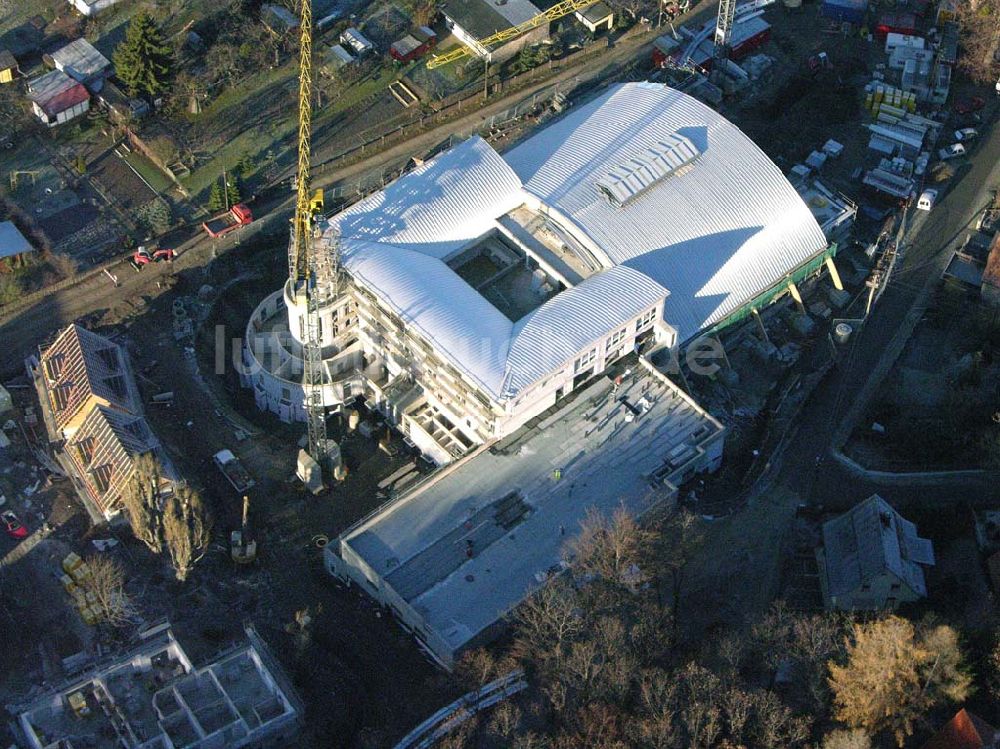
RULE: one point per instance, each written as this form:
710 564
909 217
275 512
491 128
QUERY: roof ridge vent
670 157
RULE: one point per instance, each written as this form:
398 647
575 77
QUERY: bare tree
547 623
840 739
655 725
106 582
979 26
611 550
476 668
505 719
186 529
301 628
141 502
774 725
65 265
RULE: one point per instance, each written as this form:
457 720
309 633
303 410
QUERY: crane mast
311 270
723 34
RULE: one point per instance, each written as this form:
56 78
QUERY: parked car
14 527
951 152
966 134
927 200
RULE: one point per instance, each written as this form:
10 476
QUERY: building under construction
480 289
154 697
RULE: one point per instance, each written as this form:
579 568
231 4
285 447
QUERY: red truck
237 216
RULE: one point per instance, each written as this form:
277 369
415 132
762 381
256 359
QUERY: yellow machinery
557 11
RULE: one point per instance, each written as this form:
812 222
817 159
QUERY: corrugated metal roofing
441 205
464 327
555 332
12 241
501 356
81 60
716 236
706 218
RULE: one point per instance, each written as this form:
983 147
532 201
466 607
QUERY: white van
927 200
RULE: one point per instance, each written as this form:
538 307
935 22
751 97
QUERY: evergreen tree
143 62
216 200
232 191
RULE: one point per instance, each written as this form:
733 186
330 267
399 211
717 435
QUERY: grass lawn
20 11
278 138
350 96
148 170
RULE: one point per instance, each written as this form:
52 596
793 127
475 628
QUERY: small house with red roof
57 98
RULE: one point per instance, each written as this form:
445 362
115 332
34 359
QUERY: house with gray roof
472 20
872 558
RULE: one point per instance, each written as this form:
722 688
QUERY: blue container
850 11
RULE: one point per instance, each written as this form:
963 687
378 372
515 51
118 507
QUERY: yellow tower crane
312 269
557 11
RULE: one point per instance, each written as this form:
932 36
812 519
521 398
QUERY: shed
8 66
81 61
896 22
22 40
357 41
948 46
91 7
597 17
13 244
278 19
872 558
947 10
6 402
56 98
413 45
120 107
337 57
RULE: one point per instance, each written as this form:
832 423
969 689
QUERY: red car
965 106
12 525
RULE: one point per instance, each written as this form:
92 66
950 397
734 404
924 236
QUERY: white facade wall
93 7
65 116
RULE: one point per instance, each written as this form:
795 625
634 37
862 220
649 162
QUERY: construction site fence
452 716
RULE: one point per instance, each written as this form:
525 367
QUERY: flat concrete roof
520 501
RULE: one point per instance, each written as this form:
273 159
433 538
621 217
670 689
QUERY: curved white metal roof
557 331
716 233
439 206
427 294
677 201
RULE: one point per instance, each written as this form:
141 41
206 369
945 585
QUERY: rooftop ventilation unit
669 157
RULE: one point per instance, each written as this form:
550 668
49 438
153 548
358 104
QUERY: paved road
929 241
